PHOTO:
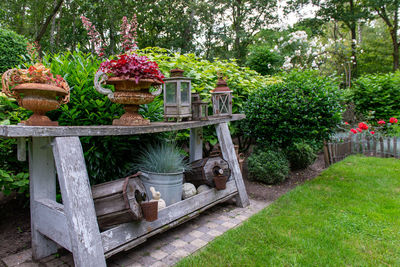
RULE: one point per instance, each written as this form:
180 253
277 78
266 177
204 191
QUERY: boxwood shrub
268 166
304 107
300 156
379 93
12 46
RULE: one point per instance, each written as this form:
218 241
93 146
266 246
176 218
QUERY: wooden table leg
229 154
42 186
196 144
87 247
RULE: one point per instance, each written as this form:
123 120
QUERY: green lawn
348 216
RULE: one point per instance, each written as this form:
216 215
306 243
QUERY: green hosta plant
161 158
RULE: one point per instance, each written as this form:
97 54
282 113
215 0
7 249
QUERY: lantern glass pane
170 91
185 92
203 111
223 104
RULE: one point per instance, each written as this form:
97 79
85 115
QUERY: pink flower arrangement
393 120
381 122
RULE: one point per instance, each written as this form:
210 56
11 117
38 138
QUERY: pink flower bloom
393 120
372 132
359 130
346 123
381 122
354 131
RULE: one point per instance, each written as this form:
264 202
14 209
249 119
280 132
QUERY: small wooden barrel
115 202
204 170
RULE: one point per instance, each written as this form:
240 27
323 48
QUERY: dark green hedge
12 46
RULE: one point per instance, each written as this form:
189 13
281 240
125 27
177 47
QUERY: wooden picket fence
384 147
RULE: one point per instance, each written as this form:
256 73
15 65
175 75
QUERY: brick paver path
164 249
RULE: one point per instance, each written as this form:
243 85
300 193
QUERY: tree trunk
53 29
43 28
353 29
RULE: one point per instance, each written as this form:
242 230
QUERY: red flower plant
393 120
354 131
132 66
372 132
363 126
381 122
359 130
346 123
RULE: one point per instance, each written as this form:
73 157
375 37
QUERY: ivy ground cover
348 216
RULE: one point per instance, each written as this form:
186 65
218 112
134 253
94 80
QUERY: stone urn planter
37 97
129 93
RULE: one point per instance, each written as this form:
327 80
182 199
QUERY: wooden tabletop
107 130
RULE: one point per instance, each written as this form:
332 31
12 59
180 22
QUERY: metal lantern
199 108
177 96
222 99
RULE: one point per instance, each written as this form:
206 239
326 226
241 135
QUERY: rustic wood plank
374 146
229 154
196 144
382 147
330 147
395 146
124 233
106 130
326 154
42 186
388 154
51 222
175 223
84 232
368 146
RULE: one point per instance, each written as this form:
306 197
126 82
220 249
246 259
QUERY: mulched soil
15 234
260 191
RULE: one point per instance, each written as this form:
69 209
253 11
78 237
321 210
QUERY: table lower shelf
53 222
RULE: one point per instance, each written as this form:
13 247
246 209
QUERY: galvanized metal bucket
168 184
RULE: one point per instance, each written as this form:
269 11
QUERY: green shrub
305 107
377 93
13 174
12 46
300 156
265 62
268 166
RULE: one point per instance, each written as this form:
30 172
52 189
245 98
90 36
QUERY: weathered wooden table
57 152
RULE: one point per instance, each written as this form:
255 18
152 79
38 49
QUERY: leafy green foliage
161 158
13 174
268 166
262 60
12 46
305 107
300 155
377 93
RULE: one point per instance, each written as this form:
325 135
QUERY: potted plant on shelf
130 74
162 167
38 90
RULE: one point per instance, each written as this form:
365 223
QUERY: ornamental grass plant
161 158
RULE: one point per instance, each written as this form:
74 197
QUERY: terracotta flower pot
38 97
150 210
130 94
220 182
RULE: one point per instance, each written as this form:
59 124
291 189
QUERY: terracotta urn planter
129 93
37 97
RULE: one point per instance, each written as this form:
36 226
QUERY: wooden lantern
199 108
222 99
177 96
